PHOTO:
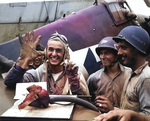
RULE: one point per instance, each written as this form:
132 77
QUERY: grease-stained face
126 53
38 61
55 52
107 56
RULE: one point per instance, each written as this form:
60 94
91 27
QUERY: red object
37 97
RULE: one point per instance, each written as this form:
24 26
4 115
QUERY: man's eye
51 49
124 47
58 50
107 53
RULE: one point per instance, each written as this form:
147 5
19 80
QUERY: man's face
126 53
38 61
107 56
55 52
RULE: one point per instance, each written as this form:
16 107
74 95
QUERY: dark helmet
106 42
136 36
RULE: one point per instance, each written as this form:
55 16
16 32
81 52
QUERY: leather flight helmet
136 36
106 42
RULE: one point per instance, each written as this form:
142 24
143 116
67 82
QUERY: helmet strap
113 63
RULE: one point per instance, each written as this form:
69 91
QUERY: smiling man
106 84
133 49
61 77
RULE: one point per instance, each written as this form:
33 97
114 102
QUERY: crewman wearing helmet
133 46
106 84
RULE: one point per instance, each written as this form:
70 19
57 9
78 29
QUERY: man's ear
45 51
67 55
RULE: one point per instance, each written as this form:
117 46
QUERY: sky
138 6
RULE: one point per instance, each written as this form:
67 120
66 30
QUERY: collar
120 66
139 70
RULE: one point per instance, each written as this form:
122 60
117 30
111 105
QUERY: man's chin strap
113 63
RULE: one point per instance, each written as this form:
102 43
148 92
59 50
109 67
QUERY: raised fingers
31 36
40 53
69 65
27 37
37 40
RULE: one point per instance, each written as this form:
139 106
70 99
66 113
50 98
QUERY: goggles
61 37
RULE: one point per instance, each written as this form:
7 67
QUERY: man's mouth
104 61
121 57
37 60
54 59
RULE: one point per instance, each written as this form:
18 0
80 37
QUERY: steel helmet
136 36
106 42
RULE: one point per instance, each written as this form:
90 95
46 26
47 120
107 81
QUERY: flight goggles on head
62 38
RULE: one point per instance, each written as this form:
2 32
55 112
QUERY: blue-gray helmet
136 36
106 42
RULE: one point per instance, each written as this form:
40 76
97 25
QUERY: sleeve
91 87
5 62
34 75
14 76
28 77
92 83
144 97
82 88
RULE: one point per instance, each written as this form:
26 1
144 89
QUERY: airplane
84 29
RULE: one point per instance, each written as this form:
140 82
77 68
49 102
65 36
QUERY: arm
27 54
122 115
35 75
83 88
144 92
92 83
5 64
91 87
15 75
28 77
76 80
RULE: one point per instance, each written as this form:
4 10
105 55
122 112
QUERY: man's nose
54 53
102 55
120 52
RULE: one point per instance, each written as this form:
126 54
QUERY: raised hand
72 73
28 46
28 49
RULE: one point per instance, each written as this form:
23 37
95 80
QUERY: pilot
106 85
62 77
15 74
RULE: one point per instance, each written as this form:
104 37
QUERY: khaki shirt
136 93
101 84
